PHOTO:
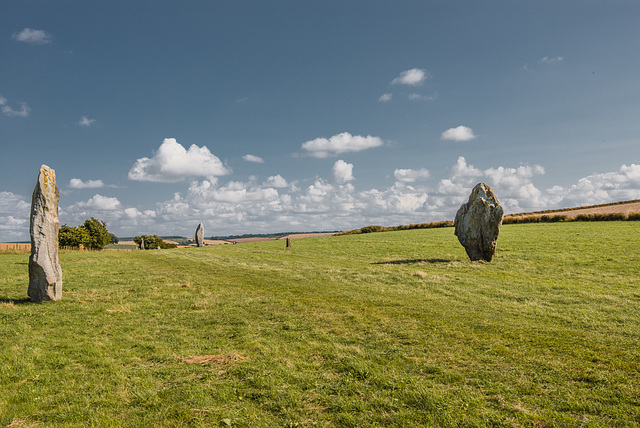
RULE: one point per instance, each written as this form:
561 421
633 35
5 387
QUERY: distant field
309 235
121 247
619 207
383 329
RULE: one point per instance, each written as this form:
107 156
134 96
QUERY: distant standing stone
478 222
200 235
45 274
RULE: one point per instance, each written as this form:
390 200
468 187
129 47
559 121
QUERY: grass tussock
367 330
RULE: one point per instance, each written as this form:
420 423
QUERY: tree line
93 235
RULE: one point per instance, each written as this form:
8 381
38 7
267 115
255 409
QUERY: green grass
384 329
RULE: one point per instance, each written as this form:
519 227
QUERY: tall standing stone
200 235
478 222
45 274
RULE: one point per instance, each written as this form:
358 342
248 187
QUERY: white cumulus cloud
173 163
551 60
340 143
331 202
14 217
385 97
342 172
411 175
276 181
135 214
101 203
9 111
518 193
76 183
120 219
412 77
86 122
253 158
513 186
36 37
602 187
460 133
420 97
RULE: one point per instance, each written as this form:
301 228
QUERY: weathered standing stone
200 235
478 222
45 274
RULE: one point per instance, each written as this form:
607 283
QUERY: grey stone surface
45 273
200 235
478 222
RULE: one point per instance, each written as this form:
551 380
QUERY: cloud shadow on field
406 262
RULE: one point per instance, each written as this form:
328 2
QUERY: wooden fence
26 248
12 247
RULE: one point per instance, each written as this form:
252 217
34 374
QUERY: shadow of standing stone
45 273
478 222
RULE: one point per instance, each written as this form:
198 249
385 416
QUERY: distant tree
99 236
72 237
152 242
113 239
93 234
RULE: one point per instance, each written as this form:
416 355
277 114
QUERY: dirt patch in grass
19 423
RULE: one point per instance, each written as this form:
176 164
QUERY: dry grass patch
19 423
122 309
219 360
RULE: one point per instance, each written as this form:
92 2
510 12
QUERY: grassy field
382 329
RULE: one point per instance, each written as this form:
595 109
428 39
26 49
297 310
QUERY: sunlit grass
393 328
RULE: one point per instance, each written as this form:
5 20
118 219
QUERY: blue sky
256 116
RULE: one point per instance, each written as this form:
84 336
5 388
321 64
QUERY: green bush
633 216
601 217
93 235
152 242
99 236
371 229
72 237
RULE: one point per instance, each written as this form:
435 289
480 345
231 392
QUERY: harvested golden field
615 208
